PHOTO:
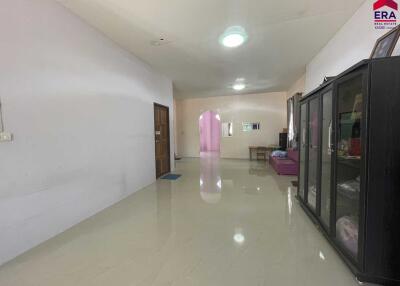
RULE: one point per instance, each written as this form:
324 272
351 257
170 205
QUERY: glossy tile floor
224 222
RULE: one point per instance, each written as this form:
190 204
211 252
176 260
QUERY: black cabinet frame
367 267
363 173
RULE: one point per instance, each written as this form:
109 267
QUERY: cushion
293 155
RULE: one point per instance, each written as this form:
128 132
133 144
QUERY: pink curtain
210 132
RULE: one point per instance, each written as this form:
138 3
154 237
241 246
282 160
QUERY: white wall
81 110
269 109
298 87
353 43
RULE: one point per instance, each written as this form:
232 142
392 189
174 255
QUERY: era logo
382 3
385 14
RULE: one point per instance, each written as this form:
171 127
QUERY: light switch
6 137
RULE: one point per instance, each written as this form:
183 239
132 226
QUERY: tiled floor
224 222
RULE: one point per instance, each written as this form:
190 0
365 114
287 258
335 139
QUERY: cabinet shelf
353 158
352 162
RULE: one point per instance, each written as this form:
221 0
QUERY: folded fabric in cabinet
312 195
347 233
350 189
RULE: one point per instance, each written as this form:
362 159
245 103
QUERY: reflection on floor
221 223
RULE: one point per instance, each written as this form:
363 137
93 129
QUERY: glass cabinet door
326 160
313 150
348 163
303 148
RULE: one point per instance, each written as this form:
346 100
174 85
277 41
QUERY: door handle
330 138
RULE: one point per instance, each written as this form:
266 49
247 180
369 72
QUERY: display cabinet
349 179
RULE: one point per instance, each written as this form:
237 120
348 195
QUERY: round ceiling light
239 86
239 238
233 37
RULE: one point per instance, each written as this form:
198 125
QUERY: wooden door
161 131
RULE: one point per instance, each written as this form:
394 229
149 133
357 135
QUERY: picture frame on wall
247 126
387 45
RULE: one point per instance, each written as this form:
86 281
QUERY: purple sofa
286 166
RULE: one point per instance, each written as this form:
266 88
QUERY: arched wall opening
210 132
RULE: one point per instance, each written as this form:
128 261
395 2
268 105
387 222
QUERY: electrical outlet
6 137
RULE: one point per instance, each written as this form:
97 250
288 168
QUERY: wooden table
262 149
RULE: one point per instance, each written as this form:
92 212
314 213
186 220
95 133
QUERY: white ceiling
284 35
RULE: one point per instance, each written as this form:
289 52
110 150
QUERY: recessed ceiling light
233 37
239 238
239 86
233 41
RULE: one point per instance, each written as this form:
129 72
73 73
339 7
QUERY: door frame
220 127
155 105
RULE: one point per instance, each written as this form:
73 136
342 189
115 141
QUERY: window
247 127
227 129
